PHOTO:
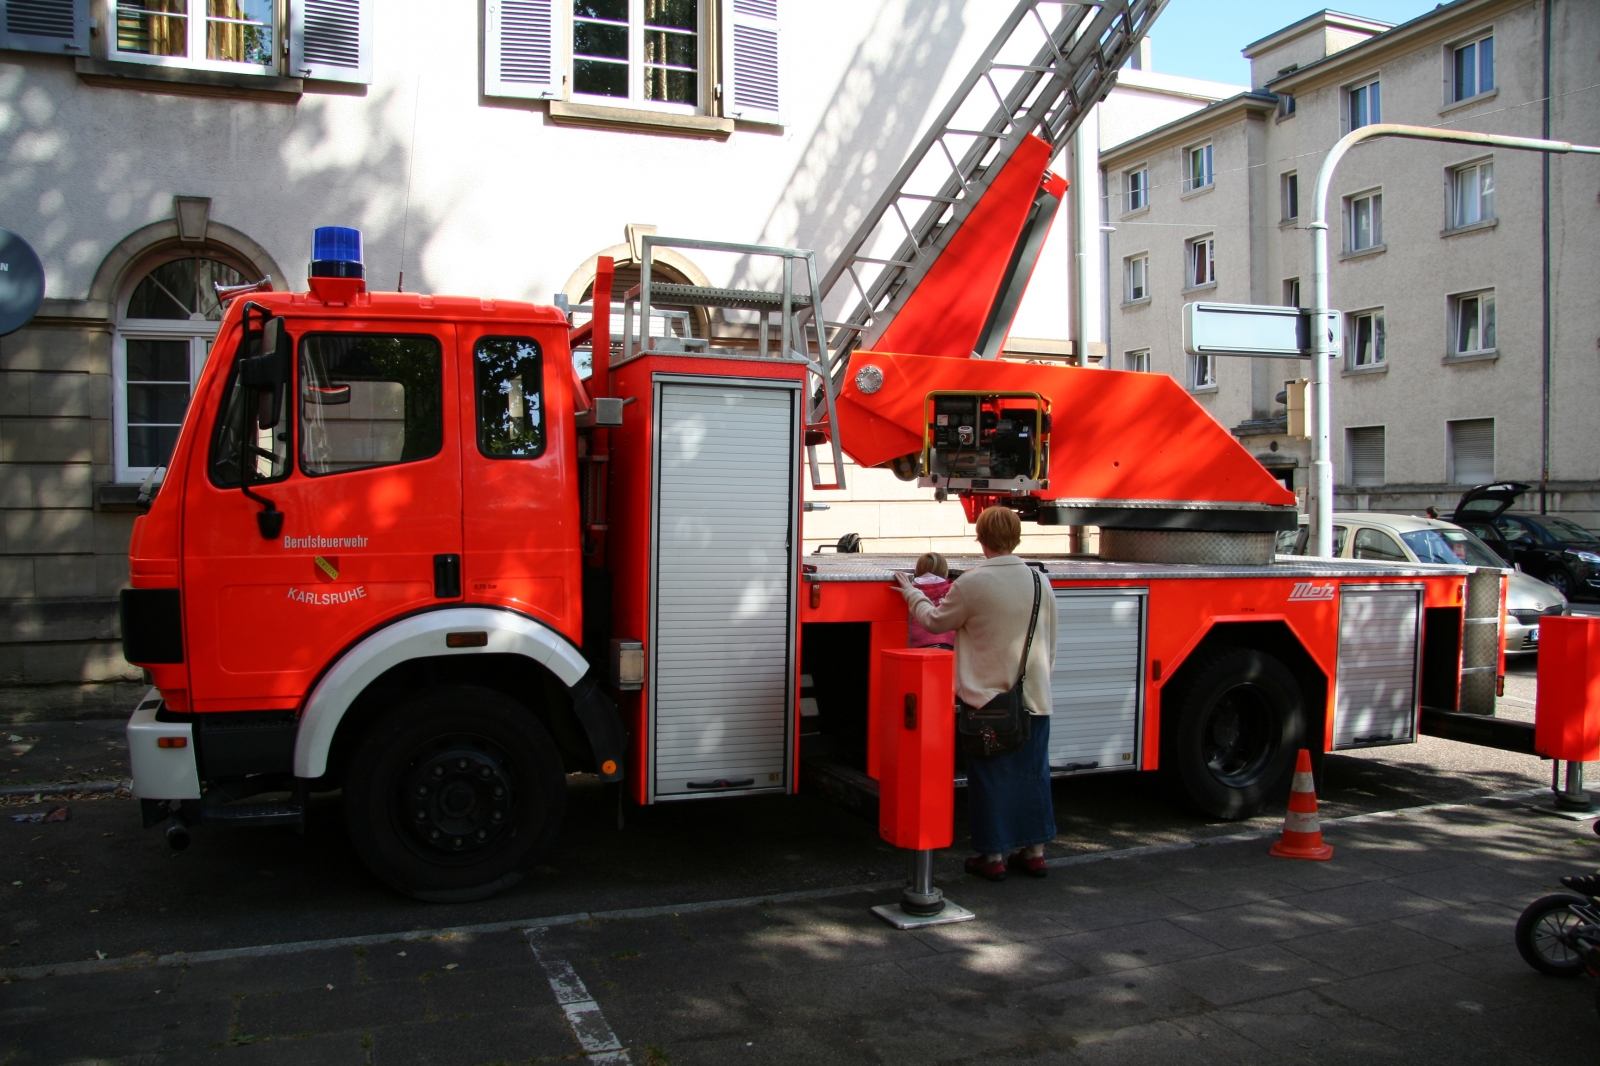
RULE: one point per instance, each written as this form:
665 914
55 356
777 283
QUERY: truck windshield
1452 547
369 400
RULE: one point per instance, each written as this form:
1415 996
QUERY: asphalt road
98 883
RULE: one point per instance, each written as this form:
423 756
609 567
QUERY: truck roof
865 567
410 305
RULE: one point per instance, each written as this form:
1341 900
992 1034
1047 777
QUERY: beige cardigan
988 607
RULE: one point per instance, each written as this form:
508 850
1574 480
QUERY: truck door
364 464
520 507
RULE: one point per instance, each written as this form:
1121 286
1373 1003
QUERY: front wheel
1541 933
1562 582
1231 740
450 794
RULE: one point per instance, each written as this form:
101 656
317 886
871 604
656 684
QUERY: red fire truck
404 550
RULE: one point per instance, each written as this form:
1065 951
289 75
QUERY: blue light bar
336 252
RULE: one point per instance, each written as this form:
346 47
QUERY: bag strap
1032 622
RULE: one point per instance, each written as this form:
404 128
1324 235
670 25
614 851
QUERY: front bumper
161 771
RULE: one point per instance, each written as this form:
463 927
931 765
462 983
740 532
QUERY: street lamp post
1320 407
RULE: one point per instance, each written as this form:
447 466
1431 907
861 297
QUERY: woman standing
990 608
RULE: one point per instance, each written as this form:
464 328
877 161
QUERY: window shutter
1366 456
519 55
331 40
750 75
1472 451
56 27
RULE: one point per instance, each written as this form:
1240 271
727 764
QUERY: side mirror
269 372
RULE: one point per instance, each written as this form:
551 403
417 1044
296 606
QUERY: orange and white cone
1302 833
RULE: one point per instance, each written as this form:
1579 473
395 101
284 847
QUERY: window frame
477 394
1202 373
297 402
1457 305
1205 150
1455 176
1350 456
635 100
1286 106
195 20
1452 464
1372 87
1136 360
1289 196
1142 171
1291 292
1139 261
1379 331
1191 262
1452 78
1374 199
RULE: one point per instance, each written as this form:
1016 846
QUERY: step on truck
405 549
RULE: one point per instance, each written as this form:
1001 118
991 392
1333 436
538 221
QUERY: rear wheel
1539 935
1230 739
1562 582
452 793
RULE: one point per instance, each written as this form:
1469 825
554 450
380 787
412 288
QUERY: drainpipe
1544 424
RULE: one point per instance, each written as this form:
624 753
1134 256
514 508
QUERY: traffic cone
1302 834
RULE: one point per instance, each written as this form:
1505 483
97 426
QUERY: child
931 581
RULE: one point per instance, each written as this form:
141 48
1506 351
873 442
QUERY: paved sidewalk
1397 951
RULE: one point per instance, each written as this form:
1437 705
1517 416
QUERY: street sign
1264 331
21 282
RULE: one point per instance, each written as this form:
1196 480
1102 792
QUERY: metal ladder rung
883 262
930 196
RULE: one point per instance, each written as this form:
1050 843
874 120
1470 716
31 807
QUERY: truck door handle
447 577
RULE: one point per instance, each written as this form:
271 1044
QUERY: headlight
1589 557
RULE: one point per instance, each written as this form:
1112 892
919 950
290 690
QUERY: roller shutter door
1097 685
723 672
1377 675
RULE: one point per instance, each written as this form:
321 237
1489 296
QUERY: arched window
166 320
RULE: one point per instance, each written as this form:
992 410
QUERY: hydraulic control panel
993 442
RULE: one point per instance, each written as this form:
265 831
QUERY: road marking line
190 958
584 1016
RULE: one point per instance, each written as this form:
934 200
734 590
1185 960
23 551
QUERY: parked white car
1400 538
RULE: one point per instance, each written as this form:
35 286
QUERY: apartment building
1467 276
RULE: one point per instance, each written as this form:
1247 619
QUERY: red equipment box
1567 714
917 747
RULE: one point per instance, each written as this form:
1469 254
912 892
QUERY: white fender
421 636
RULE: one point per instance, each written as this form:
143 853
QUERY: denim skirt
1008 796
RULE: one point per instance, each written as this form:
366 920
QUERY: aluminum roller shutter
1096 689
724 577
1376 701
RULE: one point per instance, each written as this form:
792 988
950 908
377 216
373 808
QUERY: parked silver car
1400 538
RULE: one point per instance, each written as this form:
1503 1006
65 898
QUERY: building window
1291 292
1472 324
1285 105
1137 273
1291 196
1474 68
1197 172
163 337
1138 182
1364 452
1137 360
219 34
1471 194
1365 343
1200 262
642 52
1202 372
1471 458
1363 106
1364 221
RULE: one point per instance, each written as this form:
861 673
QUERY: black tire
1536 933
420 799
1230 738
1562 582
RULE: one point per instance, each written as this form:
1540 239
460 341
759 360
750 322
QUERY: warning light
608 767
336 252
172 742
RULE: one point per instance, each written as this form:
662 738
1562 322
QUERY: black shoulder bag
1003 725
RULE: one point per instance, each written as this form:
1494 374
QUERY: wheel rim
1239 735
457 797
1559 581
1548 937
